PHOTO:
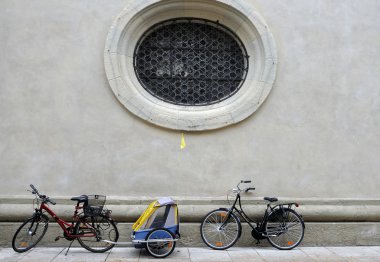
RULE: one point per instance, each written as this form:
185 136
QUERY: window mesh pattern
190 62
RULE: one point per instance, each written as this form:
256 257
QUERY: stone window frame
248 25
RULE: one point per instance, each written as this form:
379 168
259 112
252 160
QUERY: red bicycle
91 225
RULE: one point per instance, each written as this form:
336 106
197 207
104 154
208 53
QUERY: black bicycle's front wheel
220 229
285 229
30 233
99 233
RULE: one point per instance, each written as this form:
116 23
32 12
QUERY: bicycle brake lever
249 188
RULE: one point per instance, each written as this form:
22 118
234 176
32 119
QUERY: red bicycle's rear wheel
101 228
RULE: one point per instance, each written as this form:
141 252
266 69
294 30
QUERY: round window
190 65
190 62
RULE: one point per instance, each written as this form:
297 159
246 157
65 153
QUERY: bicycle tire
220 238
160 249
284 229
30 233
103 228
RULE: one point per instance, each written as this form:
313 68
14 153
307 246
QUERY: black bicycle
281 225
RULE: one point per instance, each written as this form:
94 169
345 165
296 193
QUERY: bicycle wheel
161 248
30 233
285 229
220 230
96 230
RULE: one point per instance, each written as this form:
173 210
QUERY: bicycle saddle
271 199
80 199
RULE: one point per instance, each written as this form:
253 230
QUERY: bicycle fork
30 232
227 217
36 217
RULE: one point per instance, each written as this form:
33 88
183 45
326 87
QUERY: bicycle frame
258 231
64 224
243 215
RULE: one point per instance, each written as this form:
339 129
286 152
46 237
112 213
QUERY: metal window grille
191 62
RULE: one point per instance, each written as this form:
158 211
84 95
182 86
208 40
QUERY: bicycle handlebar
35 191
43 197
245 189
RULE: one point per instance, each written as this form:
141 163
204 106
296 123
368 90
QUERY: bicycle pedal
57 238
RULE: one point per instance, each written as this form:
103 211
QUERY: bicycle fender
279 209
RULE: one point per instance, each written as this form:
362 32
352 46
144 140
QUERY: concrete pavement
182 254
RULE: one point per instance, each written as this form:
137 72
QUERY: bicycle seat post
76 211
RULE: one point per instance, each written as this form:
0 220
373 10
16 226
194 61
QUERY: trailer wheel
160 243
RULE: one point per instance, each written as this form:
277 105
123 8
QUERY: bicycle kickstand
69 247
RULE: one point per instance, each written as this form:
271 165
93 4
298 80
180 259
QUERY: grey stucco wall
316 136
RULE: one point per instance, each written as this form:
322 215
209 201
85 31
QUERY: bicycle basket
94 205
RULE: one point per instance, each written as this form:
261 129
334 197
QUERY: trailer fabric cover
160 213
